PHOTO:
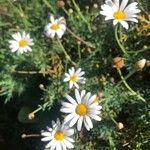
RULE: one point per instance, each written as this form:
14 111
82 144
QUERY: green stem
125 78
40 108
66 55
128 87
66 11
115 122
81 16
139 51
118 41
79 51
49 5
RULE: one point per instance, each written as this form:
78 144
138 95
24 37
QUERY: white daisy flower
21 43
74 77
120 12
81 110
57 26
59 136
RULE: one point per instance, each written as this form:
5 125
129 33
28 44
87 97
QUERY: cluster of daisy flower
22 42
80 110
112 9
84 107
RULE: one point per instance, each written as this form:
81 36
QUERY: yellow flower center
54 26
73 78
22 43
81 109
119 15
59 135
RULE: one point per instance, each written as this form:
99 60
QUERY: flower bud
140 64
41 86
70 11
87 7
78 42
120 125
60 3
118 62
31 116
95 6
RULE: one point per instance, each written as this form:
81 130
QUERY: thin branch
80 39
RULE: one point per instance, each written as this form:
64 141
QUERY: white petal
86 125
74 120
69 139
14 49
60 33
78 71
50 144
93 111
15 36
72 71
76 85
28 48
63 145
58 146
123 4
92 99
124 24
66 79
68 144
109 17
71 100
86 98
19 35
115 22
62 27
49 129
83 93
95 106
81 73
77 95
69 117
79 124
54 124
132 19
66 110
46 139
130 6
69 132
95 117
89 122
46 134
69 105
52 19
67 75
52 34
116 3
70 84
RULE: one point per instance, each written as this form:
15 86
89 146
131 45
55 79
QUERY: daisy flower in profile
81 110
57 26
21 43
121 13
74 77
59 136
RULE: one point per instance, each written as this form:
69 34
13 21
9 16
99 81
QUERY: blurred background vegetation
34 80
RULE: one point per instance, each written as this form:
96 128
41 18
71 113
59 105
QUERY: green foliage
35 79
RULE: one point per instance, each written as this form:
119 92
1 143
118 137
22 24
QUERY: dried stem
80 39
